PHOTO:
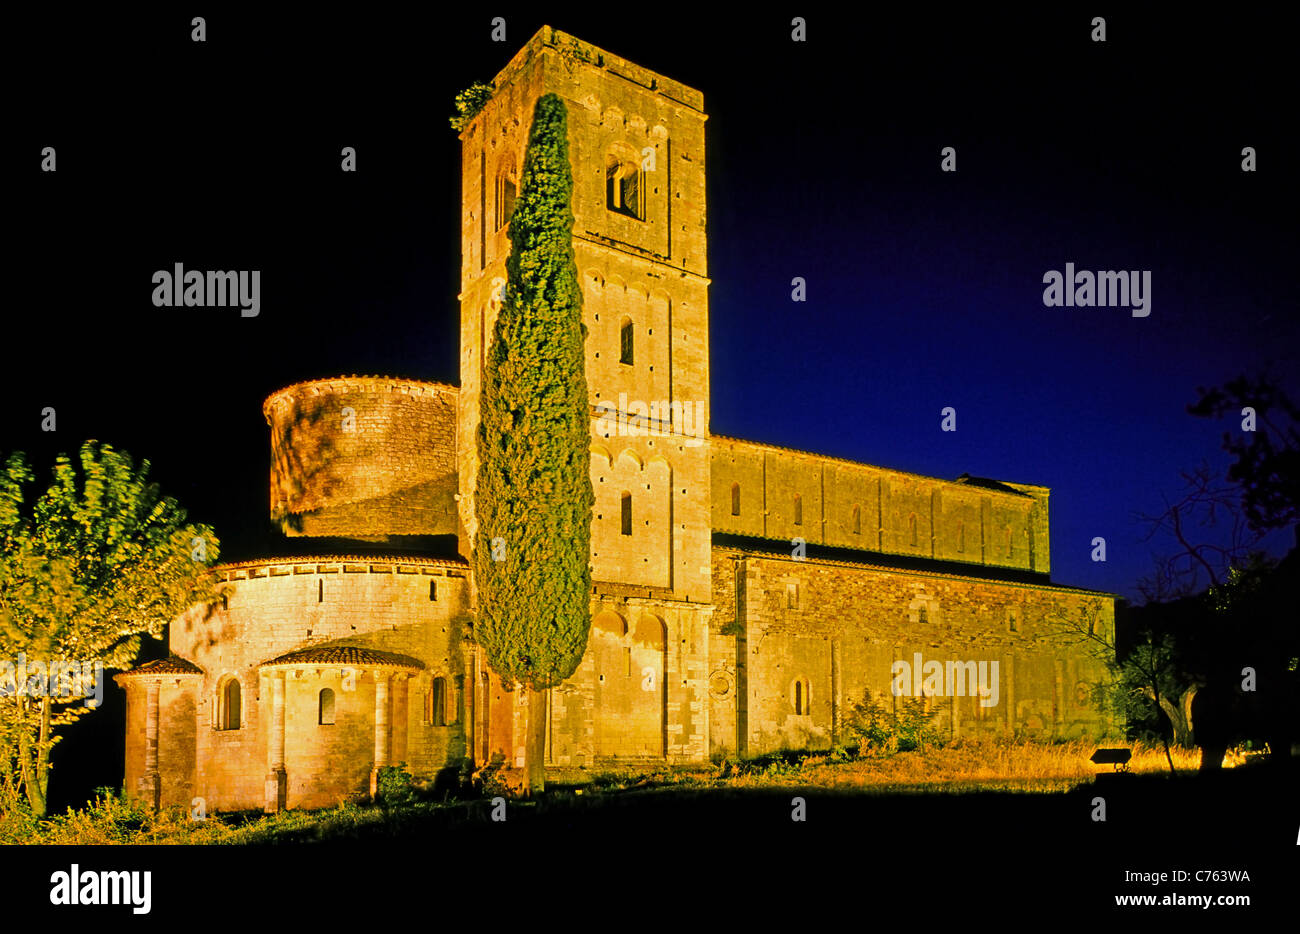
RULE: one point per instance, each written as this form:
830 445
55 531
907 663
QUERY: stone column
837 691
400 716
277 784
381 728
468 713
150 789
1058 698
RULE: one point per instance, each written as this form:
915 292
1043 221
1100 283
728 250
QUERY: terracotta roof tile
175 665
344 655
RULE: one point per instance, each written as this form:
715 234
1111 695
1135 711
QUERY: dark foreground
677 856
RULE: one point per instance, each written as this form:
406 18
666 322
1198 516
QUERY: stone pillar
277 783
381 728
400 716
468 715
1009 692
837 691
150 788
1058 698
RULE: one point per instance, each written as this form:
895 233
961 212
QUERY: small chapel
744 595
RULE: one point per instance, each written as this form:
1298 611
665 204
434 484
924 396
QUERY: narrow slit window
626 342
798 509
735 499
857 520
505 200
437 712
627 513
326 707
433 590
911 530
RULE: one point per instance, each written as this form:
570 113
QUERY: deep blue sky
925 288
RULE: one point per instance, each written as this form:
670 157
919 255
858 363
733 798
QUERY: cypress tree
534 494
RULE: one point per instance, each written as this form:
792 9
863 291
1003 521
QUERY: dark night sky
925 288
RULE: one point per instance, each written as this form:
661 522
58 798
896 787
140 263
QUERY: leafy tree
95 561
1268 458
534 494
469 102
1141 674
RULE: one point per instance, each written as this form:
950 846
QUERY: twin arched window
624 186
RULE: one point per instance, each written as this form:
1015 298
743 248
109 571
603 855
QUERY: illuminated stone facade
744 595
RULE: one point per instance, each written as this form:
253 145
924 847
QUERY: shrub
886 731
395 791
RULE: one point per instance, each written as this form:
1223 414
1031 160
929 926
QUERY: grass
956 768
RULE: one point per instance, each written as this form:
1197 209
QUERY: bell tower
636 140
636 143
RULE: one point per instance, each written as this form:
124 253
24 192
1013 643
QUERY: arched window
624 186
228 705
326 707
505 199
911 530
798 509
625 342
735 499
627 512
436 703
857 519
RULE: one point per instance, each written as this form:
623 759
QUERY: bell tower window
624 186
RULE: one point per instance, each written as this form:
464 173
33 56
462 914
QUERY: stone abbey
353 646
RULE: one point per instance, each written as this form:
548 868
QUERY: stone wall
818 634
177 766
364 458
272 608
771 492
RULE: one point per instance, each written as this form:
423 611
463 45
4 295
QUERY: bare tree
1204 533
